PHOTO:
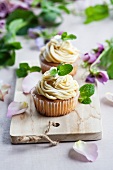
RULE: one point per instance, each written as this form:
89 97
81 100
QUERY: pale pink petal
109 96
89 150
15 108
4 89
30 81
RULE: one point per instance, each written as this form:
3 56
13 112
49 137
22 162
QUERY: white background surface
62 157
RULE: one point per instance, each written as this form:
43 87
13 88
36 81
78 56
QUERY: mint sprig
65 36
24 69
62 70
86 91
106 60
96 13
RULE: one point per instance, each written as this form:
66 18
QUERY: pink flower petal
109 96
4 89
30 81
89 150
15 108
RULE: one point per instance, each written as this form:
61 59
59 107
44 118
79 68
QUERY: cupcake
56 95
58 51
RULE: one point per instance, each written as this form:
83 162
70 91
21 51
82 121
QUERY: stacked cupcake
59 50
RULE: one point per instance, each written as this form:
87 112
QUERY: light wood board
84 123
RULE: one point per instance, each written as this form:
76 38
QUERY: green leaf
106 58
27 16
65 36
53 72
110 71
64 8
11 60
87 90
7 58
35 69
21 72
49 16
15 25
35 2
85 100
64 69
24 66
13 46
96 13
111 1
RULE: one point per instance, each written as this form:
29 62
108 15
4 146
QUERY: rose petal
4 89
102 76
109 96
89 150
30 81
15 108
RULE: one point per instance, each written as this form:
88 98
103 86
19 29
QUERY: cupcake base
54 108
45 66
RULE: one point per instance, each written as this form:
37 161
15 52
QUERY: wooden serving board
84 123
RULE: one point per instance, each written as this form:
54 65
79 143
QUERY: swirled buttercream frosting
58 51
57 87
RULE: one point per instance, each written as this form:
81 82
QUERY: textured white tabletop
42 156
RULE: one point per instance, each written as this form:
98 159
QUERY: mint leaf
53 72
35 69
96 13
65 36
64 69
111 1
21 72
13 46
15 25
87 90
24 66
86 100
24 69
110 71
22 14
64 8
106 61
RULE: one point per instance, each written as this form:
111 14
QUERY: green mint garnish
53 72
86 91
35 68
25 66
65 36
21 72
24 69
62 70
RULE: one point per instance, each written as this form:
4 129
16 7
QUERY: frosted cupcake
59 50
56 95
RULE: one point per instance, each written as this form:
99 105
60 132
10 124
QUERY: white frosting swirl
58 51
57 87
